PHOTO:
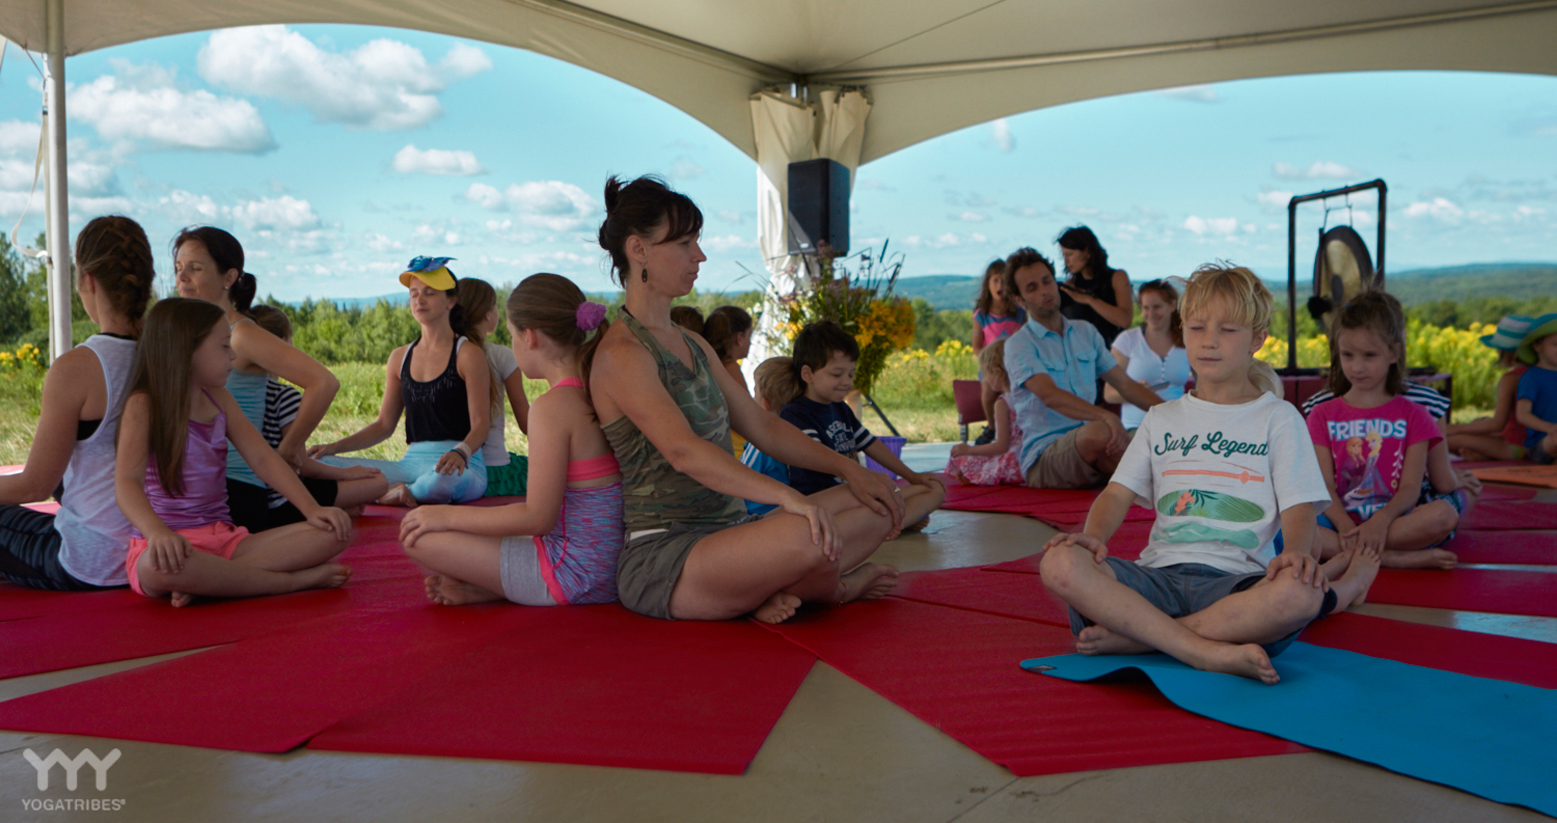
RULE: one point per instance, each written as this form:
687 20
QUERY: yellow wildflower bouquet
861 301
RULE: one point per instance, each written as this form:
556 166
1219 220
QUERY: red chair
970 406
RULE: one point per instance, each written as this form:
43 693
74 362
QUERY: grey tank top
654 495
93 533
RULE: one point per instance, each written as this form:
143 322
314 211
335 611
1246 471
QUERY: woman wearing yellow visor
445 389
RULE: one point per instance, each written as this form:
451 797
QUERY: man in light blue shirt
1054 364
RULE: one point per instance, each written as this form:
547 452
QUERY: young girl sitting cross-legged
559 546
1373 442
1227 467
171 466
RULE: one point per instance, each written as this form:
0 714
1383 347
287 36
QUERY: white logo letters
46 765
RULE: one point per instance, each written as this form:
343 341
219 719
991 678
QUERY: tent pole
59 198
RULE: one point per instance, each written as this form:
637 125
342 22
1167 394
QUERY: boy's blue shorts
1185 588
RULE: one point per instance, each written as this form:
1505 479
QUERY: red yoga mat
1505 515
1533 548
1513 659
1475 590
1492 491
1007 595
1052 506
957 670
147 627
594 685
266 693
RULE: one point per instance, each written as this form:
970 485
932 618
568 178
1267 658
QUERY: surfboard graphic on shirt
1211 505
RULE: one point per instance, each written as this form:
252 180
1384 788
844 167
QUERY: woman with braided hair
82 547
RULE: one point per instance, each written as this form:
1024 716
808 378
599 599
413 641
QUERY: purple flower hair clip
589 315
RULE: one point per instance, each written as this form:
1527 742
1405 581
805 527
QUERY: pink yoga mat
1475 590
594 685
957 670
1504 515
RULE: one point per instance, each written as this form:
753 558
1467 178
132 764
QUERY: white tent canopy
925 68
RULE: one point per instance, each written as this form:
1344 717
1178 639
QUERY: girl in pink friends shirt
1372 444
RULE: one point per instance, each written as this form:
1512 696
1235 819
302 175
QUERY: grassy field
914 391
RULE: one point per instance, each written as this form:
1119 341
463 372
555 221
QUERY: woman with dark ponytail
667 407
446 391
208 264
82 547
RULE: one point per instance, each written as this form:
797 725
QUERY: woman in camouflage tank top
667 408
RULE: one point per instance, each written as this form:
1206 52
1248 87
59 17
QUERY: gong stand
1292 205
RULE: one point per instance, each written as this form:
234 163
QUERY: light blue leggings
416 470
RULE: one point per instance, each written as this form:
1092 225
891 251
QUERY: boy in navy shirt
824 360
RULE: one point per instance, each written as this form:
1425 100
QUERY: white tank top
93 533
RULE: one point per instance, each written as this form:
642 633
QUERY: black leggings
249 506
29 552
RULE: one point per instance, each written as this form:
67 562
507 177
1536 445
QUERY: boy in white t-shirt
1230 470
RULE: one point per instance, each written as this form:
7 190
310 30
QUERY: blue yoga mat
1487 737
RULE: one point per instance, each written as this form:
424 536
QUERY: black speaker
818 206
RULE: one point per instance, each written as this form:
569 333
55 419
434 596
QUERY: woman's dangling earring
645 274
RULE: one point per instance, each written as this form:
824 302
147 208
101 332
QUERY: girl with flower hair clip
560 546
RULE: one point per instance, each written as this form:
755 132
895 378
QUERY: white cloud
384 85
684 169
412 160
284 212
382 244
729 216
92 173
1211 225
1275 199
971 217
142 106
1439 208
551 204
1203 93
1320 170
977 238
485 196
464 60
1000 136
948 239
187 207
727 243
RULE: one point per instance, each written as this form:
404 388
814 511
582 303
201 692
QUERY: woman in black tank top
444 386
1094 292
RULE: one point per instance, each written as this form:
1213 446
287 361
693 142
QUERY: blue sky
336 153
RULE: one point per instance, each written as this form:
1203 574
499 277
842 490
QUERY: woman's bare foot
449 591
867 582
398 495
322 576
1351 588
1248 660
1420 559
916 527
1099 640
180 599
354 511
780 607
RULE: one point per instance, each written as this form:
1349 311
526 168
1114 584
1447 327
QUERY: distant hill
1412 287
943 291
1515 280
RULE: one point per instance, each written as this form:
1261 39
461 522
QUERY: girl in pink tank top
560 545
171 466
